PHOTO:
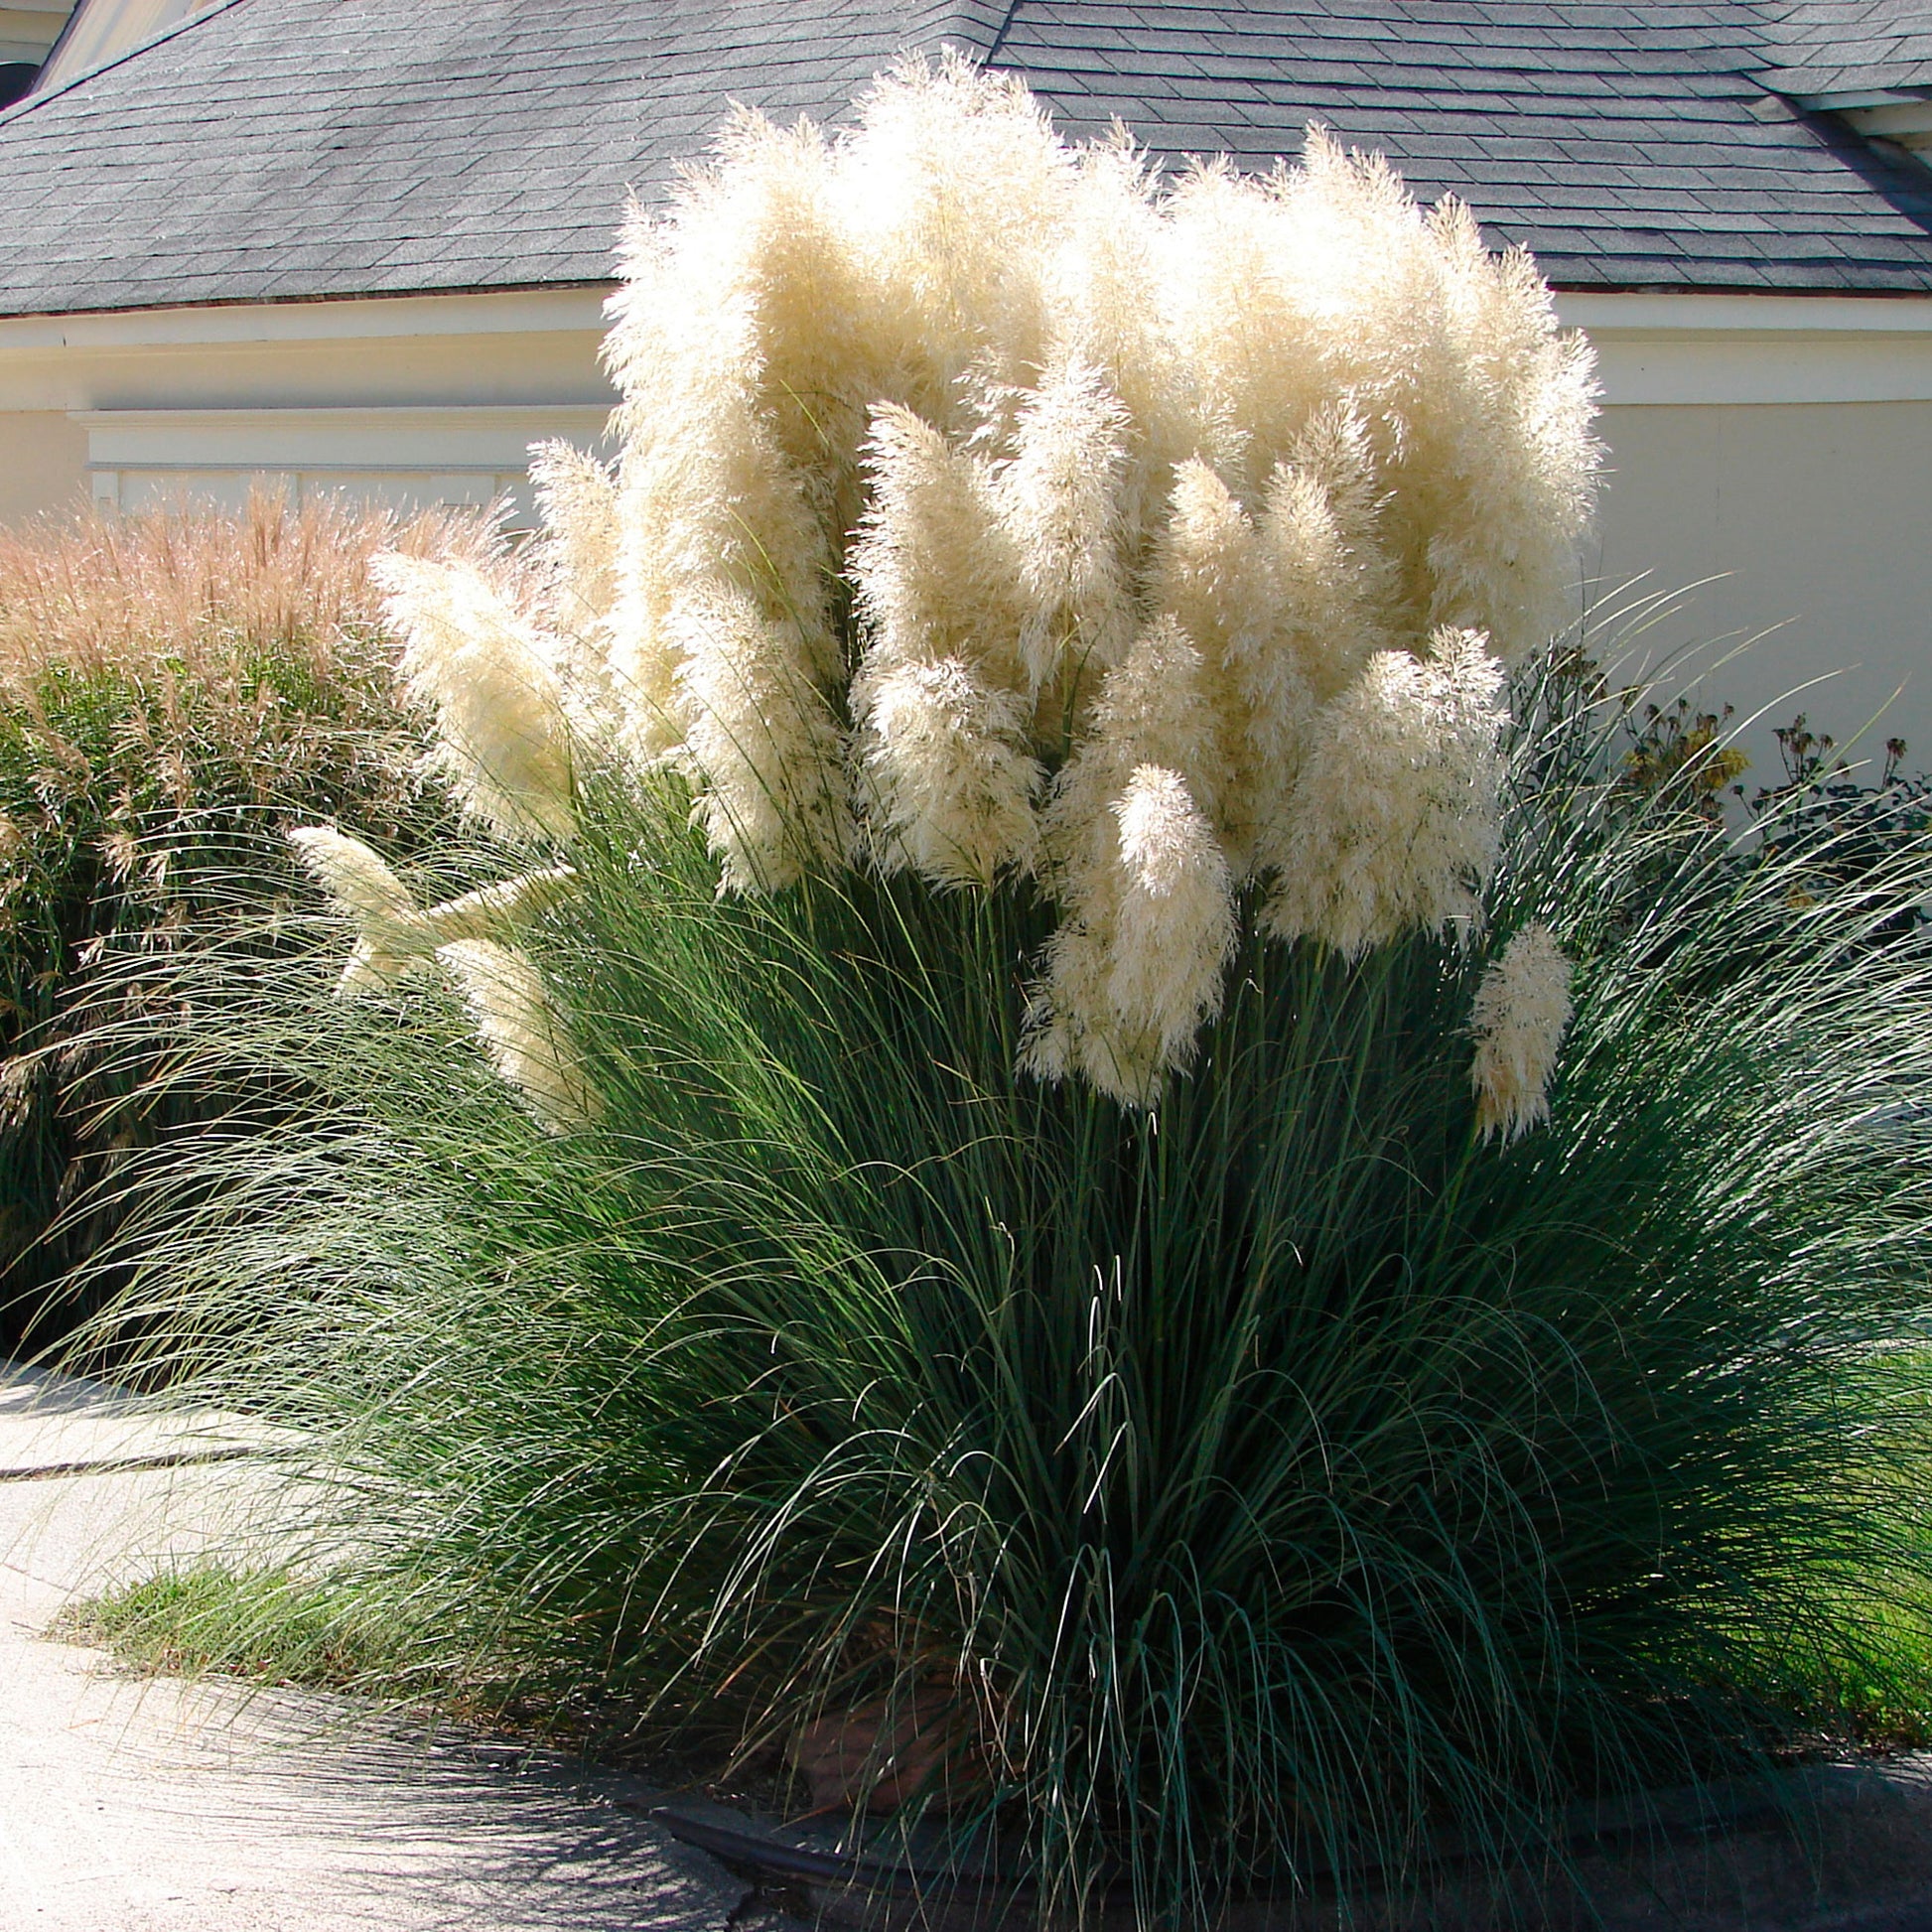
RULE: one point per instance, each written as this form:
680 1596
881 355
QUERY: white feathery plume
772 792
490 675
520 1029
1520 1013
394 937
1176 926
957 185
1220 580
1392 824
1477 406
775 271
577 501
1508 444
1157 706
1060 504
1361 272
1107 309
949 789
746 356
647 313
373 967
934 572
499 907
1151 722
1320 526
1215 577
640 643
749 320
1068 999
1260 352
357 877
716 514
1014 455
719 506
391 935
1139 960
575 561
946 776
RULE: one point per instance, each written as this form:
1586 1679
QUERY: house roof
1828 50
289 149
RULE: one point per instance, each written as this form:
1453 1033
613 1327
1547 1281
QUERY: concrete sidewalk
135 1805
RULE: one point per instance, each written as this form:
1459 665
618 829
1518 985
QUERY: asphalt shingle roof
1827 48
1629 146
284 149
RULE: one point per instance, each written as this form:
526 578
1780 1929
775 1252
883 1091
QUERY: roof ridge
30 102
974 26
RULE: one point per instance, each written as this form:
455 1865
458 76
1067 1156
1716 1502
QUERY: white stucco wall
43 462
1780 445
1815 522
1776 453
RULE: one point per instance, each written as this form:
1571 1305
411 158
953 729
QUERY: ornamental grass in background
1071 1153
176 690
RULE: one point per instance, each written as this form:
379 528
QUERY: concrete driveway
132 1805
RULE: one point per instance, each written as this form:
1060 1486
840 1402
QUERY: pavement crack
117 1464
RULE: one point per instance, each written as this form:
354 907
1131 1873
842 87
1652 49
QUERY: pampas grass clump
1428 1414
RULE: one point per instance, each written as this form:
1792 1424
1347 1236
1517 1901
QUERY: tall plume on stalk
987 505
1520 1014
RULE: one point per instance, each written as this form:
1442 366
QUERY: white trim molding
408 456
1756 349
435 398
514 312
429 350
536 347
